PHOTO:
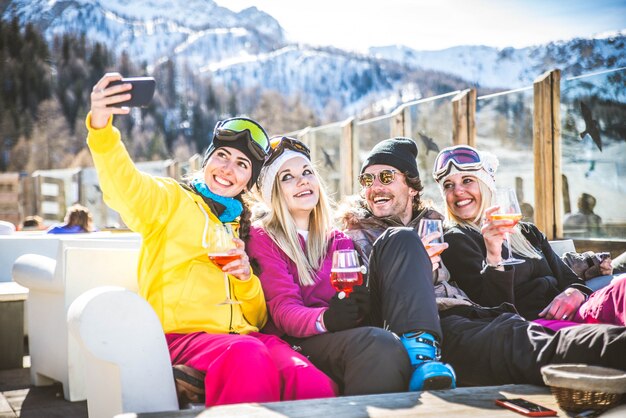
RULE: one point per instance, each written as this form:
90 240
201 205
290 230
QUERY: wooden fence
9 197
341 147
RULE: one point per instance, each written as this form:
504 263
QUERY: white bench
54 283
127 363
561 247
13 246
20 243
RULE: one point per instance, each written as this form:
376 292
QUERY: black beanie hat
397 152
240 144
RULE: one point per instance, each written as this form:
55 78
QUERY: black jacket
530 286
491 346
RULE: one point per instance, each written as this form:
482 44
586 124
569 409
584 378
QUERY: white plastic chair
53 285
127 363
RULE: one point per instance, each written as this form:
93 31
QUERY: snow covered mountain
248 49
511 68
150 30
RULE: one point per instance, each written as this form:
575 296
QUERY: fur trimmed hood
353 214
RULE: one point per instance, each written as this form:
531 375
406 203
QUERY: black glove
361 295
341 314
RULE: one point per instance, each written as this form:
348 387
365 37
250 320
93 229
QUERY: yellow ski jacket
175 273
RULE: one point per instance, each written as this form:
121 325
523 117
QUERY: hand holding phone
141 93
524 407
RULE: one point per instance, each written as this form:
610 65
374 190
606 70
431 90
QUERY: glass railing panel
429 122
593 155
504 126
325 142
370 132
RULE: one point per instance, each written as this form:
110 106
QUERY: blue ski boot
428 372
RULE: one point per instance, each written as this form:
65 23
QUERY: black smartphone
141 93
524 407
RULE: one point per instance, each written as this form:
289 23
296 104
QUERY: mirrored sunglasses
234 129
385 177
279 144
463 157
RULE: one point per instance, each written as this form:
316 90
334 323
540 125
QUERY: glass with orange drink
509 210
223 242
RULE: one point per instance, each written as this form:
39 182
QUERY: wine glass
509 209
223 242
428 226
346 272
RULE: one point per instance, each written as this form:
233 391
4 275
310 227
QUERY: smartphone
141 93
525 407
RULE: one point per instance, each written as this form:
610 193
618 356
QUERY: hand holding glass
428 226
223 242
509 210
346 271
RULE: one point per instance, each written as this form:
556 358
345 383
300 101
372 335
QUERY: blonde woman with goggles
543 287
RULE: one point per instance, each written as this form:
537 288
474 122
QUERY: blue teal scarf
232 206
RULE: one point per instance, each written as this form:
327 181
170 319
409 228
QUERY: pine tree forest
45 93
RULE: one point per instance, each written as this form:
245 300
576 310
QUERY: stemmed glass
509 209
428 226
346 272
223 242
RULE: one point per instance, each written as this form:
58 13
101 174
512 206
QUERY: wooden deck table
461 402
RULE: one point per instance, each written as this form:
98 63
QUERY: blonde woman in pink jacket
349 338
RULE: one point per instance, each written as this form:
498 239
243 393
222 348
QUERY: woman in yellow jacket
177 277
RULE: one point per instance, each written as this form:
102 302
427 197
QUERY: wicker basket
579 387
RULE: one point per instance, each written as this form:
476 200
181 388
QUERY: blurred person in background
32 223
584 222
77 220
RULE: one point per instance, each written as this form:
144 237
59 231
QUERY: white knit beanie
269 172
486 173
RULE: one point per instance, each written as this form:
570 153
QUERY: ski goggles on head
461 156
279 144
237 128
385 177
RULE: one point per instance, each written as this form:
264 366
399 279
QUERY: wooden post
301 135
9 197
27 196
308 138
195 163
173 169
547 151
398 118
464 118
348 159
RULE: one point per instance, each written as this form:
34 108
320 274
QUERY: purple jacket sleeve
288 303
